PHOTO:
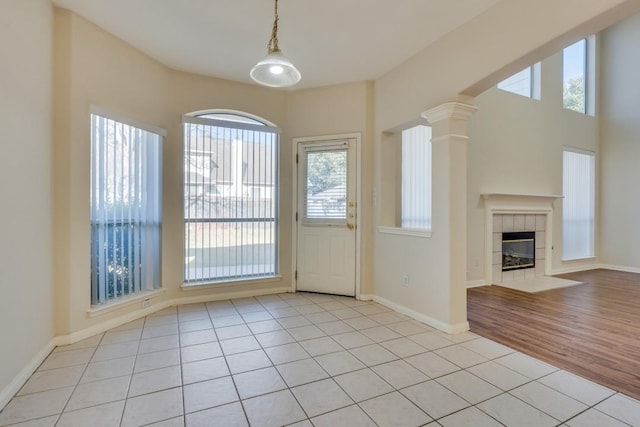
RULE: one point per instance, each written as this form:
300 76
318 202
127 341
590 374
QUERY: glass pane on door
326 184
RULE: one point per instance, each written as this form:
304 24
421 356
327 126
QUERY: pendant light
275 70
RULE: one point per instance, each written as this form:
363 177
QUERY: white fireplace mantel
518 203
528 204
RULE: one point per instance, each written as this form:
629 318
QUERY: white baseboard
110 324
575 269
25 373
18 381
231 295
587 267
620 268
476 283
446 327
134 315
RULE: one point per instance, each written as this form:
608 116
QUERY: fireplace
518 250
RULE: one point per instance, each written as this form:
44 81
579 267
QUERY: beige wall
468 60
516 147
337 110
25 184
92 68
489 48
95 68
620 137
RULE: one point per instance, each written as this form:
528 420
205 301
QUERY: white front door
326 212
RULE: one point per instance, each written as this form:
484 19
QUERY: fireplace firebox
518 250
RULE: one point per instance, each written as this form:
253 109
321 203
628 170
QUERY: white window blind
126 206
416 178
230 198
578 205
326 184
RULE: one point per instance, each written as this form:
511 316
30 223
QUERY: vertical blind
126 201
416 178
230 199
578 205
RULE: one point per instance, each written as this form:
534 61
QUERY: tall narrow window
416 178
230 198
126 206
578 205
575 77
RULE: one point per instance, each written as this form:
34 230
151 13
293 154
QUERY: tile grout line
263 349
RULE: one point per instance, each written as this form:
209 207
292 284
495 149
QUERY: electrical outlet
146 303
405 281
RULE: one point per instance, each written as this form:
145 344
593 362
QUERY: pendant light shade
275 70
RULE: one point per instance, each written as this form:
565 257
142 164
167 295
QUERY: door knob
350 226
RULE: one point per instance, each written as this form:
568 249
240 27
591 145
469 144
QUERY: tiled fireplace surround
513 213
505 223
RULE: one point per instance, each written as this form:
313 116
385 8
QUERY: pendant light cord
272 46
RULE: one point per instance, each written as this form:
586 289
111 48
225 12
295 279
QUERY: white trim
576 260
230 124
587 267
111 323
7 393
223 283
112 115
449 137
521 204
357 136
620 268
450 329
449 110
476 284
578 150
122 302
134 315
507 196
366 297
233 113
404 231
25 373
231 295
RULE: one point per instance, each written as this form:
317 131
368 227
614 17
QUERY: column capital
449 110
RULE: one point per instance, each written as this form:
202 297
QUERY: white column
449 180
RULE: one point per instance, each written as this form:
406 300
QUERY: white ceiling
330 41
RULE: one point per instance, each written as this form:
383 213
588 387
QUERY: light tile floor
302 359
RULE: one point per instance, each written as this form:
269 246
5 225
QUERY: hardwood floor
592 330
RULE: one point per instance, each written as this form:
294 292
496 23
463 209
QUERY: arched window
230 196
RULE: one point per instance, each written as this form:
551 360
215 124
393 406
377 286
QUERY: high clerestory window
230 197
578 76
524 83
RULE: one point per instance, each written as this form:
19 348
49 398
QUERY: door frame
294 228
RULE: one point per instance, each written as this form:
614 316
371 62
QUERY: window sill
591 258
121 302
426 234
235 282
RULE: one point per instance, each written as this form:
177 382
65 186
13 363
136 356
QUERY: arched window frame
230 197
